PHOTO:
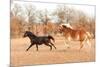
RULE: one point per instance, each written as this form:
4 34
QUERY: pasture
44 56
48 20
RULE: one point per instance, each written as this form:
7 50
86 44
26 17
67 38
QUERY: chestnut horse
74 34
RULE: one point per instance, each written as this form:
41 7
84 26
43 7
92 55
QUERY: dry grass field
44 56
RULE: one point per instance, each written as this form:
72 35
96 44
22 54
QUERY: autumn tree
30 16
43 17
16 20
64 13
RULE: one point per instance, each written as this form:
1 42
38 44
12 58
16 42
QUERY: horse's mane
70 28
67 26
30 33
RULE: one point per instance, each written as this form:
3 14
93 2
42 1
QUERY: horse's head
64 27
27 33
61 28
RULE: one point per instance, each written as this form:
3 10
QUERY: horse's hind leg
53 45
29 47
48 45
37 46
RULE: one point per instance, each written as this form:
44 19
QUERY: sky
88 9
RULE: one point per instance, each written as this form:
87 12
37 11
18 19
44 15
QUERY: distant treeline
35 20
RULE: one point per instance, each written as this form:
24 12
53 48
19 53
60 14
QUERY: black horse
39 40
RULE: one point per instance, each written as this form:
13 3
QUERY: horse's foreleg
29 47
37 46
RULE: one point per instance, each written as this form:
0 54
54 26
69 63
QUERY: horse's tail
50 37
88 37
